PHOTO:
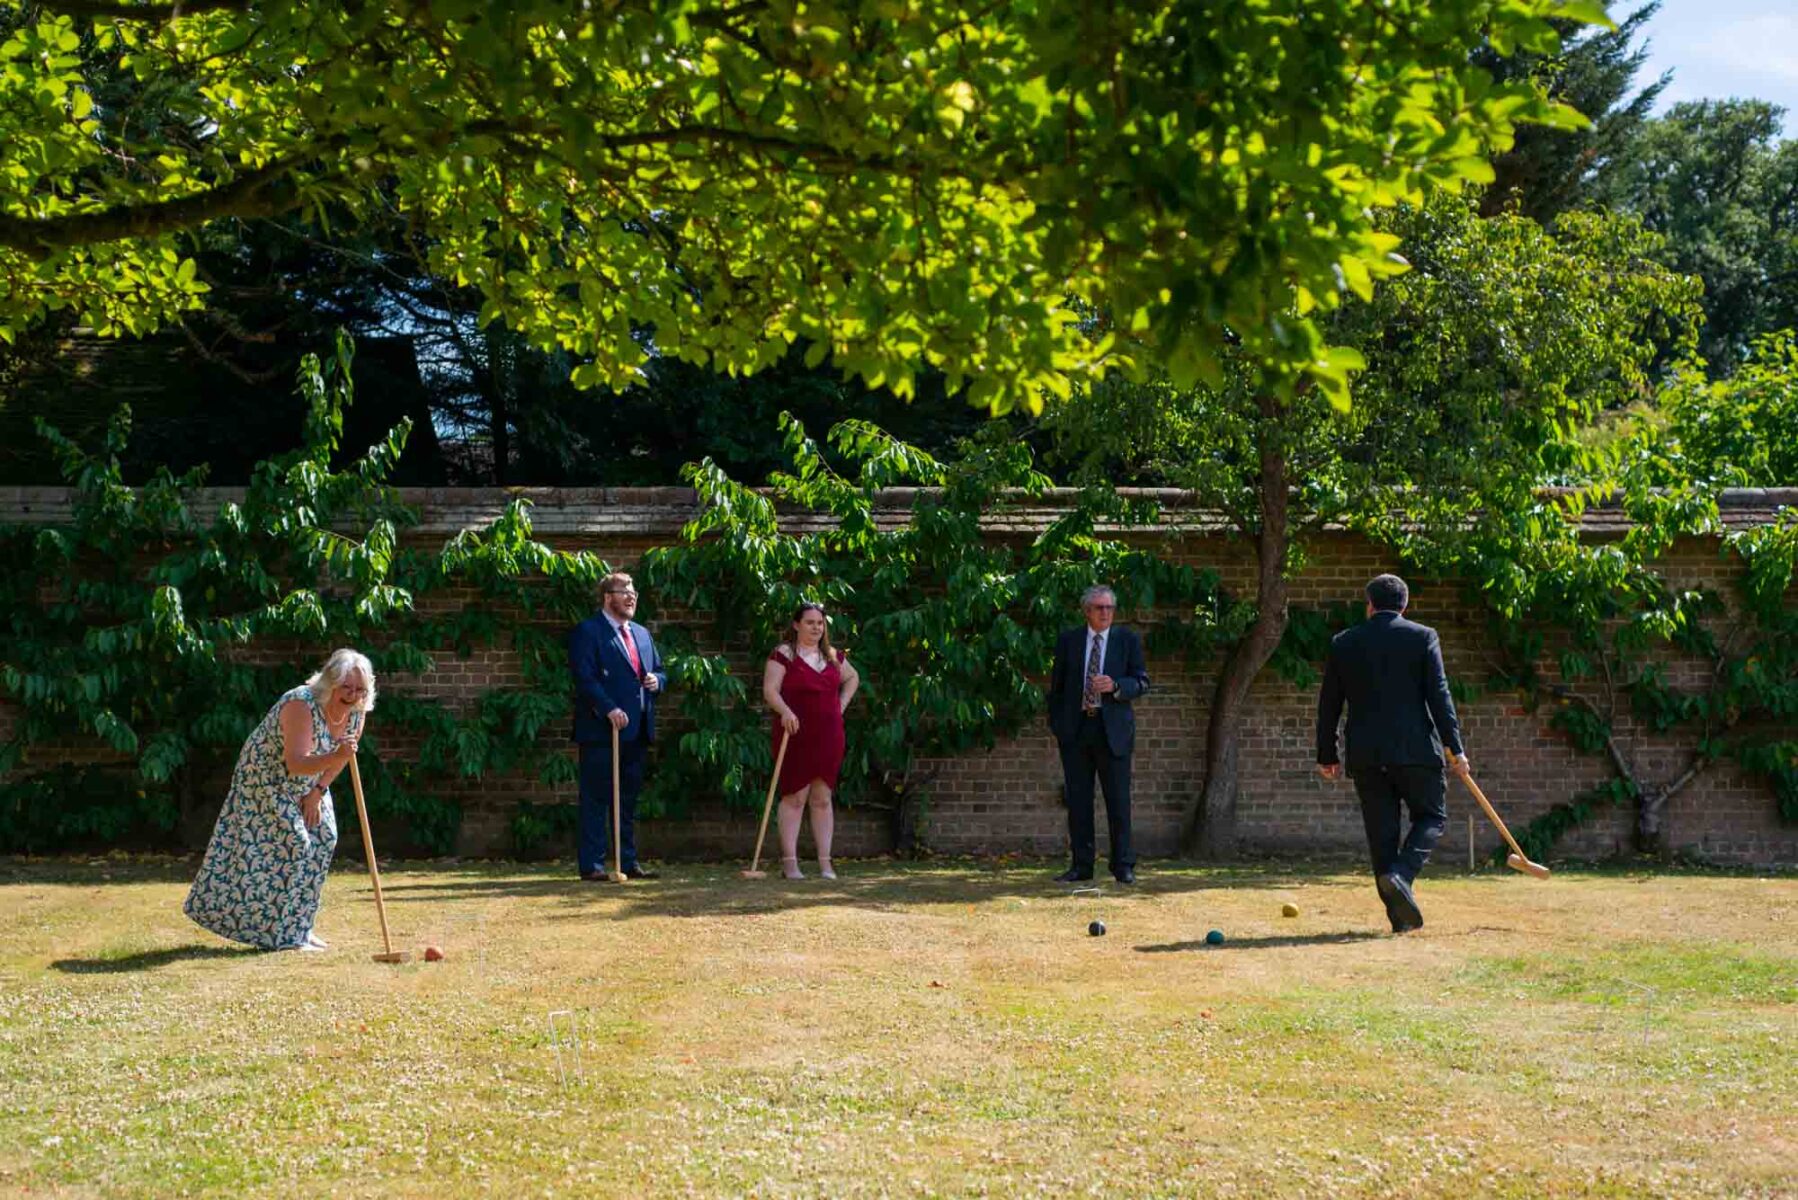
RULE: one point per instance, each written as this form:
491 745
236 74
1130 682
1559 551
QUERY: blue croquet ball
1215 938
1097 929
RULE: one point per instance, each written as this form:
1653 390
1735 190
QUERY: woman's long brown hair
792 636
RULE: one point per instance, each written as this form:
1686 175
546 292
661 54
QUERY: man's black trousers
1086 758
1383 790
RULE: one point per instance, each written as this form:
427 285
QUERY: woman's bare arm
851 680
773 672
297 745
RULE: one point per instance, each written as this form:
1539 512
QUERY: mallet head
748 874
1519 863
394 956
617 876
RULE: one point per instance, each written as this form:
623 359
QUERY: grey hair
1093 593
340 666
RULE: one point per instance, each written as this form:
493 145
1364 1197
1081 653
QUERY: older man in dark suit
1400 716
1099 670
617 677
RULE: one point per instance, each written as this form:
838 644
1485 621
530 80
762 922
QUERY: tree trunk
1211 823
502 434
1651 833
501 379
905 794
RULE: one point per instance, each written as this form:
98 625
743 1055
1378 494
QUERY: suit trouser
1086 755
596 802
1421 789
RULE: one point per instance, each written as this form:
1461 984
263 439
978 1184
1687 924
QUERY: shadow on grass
148 960
710 891
1265 943
84 871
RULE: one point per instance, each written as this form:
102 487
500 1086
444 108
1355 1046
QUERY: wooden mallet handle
374 872
618 875
1517 860
755 862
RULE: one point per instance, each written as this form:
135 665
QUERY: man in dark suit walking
1099 670
1400 716
617 677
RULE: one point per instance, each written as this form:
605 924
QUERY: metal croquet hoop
574 1046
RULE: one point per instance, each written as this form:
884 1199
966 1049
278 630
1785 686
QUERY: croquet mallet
767 807
616 874
1517 860
388 953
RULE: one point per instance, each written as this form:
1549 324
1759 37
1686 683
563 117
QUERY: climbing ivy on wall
163 634
161 630
1593 631
950 622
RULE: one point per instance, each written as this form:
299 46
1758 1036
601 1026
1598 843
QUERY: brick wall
1008 799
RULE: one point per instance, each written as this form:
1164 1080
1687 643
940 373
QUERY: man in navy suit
617 677
1400 715
1099 670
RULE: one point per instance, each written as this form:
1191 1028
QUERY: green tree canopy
1738 431
1549 171
1717 181
898 184
1482 364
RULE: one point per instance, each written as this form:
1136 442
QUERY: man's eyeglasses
1102 607
631 592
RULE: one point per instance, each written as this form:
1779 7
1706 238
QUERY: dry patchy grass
910 1030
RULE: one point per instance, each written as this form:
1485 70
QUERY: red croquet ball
433 954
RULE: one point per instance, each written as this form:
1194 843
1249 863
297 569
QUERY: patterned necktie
1091 699
630 648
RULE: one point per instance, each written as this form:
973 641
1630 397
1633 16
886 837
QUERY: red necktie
630 648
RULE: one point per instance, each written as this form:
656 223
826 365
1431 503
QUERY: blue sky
1717 49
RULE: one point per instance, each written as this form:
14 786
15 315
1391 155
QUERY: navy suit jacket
1389 672
604 680
1067 683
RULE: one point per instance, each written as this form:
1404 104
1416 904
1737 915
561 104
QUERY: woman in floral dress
265 867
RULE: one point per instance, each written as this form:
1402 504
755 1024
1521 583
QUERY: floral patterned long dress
264 871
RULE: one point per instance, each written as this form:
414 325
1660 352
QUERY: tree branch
1565 693
251 194
248 195
102 10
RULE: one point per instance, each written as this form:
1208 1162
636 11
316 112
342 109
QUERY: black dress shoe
1127 875
1400 903
641 873
595 876
1074 875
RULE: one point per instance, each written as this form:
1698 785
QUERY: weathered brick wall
1008 799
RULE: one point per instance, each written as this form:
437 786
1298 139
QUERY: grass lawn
938 1029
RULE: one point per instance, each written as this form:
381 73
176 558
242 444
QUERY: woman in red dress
808 685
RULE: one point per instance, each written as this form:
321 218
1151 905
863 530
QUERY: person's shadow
1264 943
149 960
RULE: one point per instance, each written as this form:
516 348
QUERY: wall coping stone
661 511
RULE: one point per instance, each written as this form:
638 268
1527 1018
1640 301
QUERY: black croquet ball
1097 929
1215 938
